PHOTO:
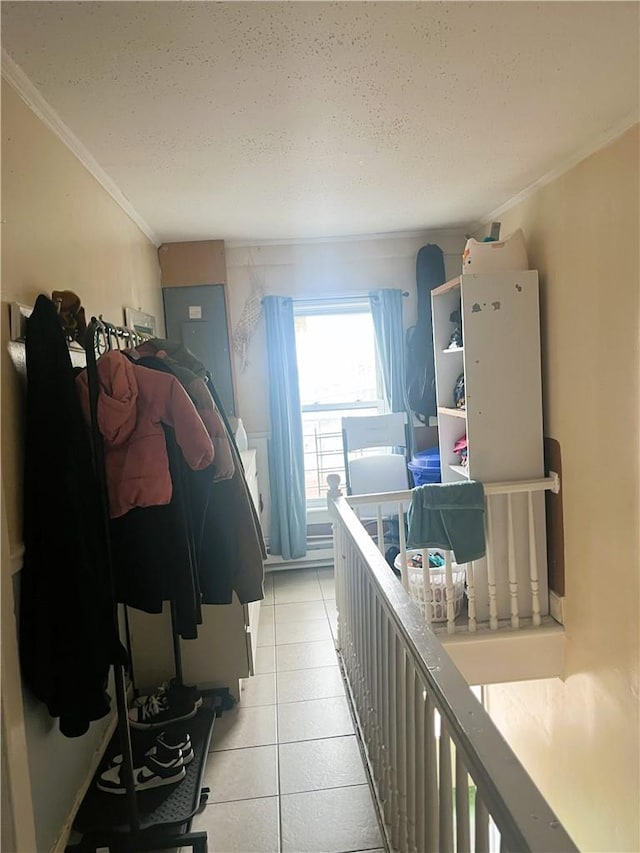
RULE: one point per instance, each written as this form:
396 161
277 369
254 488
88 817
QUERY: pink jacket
133 404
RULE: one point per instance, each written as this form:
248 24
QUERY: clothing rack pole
127 633
94 330
177 650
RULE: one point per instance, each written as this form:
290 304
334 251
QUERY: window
338 376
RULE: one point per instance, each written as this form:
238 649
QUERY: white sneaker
152 774
165 751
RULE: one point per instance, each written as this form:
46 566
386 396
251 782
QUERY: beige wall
61 230
579 738
312 270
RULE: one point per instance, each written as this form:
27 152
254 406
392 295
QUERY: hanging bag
421 381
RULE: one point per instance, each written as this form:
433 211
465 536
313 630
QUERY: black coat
68 636
229 546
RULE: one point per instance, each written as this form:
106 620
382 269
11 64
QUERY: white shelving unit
500 360
502 419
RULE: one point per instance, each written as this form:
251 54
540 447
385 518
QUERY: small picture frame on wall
144 324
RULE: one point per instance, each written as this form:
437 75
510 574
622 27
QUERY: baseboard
96 758
317 559
556 606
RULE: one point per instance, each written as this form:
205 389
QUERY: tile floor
285 773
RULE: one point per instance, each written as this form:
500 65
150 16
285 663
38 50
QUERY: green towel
449 516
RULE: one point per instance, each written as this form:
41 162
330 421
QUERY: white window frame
339 306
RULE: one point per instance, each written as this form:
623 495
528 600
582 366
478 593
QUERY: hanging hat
71 314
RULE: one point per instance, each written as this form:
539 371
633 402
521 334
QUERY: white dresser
249 462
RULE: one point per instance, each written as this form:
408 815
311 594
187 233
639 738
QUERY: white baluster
376 748
446 792
533 565
431 793
373 673
401 744
481 825
386 680
362 652
426 587
463 839
491 570
337 568
348 618
365 648
449 593
393 740
371 663
412 781
353 630
362 641
382 693
513 577
471 596
421 766
351 610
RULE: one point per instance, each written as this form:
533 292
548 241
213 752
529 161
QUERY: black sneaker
157 711
174 741
172 686
153 774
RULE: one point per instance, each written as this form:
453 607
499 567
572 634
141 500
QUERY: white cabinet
502 419
227 639
248 458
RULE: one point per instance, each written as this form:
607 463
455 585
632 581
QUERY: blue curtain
288 534
386 310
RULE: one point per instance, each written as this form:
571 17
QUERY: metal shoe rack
159 818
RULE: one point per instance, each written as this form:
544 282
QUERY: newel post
333 481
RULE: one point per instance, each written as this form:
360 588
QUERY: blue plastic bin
425 466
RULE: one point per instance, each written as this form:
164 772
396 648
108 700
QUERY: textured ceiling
277 120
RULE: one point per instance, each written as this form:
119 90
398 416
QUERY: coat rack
158 819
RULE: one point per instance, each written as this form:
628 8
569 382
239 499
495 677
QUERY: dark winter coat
231 549
68 637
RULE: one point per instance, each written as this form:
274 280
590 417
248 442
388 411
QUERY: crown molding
601 141
350 238
15 76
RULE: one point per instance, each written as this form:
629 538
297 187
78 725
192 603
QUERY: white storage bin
438 585
507 254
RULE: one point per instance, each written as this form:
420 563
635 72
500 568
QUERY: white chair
374 473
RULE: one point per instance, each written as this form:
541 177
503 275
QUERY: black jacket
68 636
154 551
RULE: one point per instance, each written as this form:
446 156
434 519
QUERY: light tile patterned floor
286 773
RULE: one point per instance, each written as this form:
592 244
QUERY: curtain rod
344 298
318 301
